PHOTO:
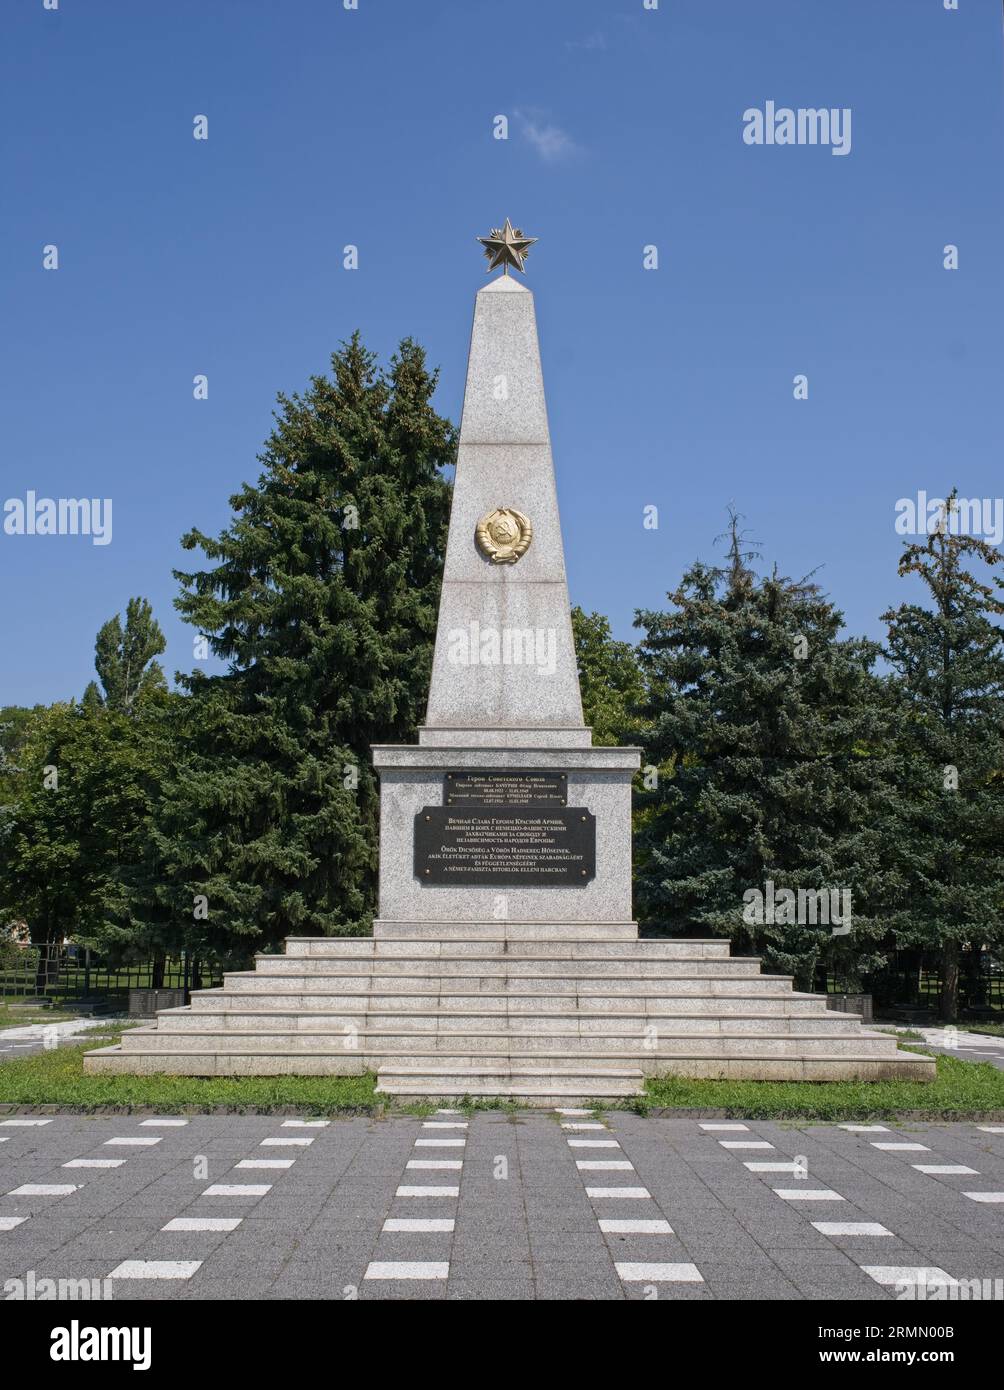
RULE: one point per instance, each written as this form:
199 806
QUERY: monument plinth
504 960
504 695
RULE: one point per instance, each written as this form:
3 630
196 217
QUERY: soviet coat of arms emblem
504 535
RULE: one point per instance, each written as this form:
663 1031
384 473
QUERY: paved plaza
490 1205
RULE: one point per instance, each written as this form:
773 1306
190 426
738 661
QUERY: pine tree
948 840
609 679
765 728
321 600
124 659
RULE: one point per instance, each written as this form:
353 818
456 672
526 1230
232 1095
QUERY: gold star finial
506 246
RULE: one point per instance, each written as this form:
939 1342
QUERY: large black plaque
505 844
505 786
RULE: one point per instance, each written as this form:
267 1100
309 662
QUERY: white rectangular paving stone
908 1274
945 1168
619 1193
203 1223
573 1112
808 1194
44 1189
238 1189
440 1143
984 1196
285 1143
773 1167
865 1129
160 1124
411 1191
715 1125
912 1148
265 1163
453 1163
23 1124
155 1269
592 1143
600 1165
305 1124
991 1129
589 1125
444 1124
94 1163
745 1144
407 1269
7 1223
447 1112
4 1138
657 1273
136 1142
850 1228
419 1224
635 1228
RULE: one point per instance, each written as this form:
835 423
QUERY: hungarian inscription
505 844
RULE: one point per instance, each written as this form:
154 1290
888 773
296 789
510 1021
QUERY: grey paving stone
491 1290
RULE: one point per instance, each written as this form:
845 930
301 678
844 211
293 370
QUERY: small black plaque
505 786
545 848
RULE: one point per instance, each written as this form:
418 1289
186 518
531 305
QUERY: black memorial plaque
505 786
544 848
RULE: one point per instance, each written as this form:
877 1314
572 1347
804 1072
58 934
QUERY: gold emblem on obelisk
504 535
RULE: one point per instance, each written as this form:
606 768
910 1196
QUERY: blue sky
374 127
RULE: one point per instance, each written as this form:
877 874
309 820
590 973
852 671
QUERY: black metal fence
75 975
910 983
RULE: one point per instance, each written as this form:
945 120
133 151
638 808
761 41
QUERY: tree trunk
157 972
950 981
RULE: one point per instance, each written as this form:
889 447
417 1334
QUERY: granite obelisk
542 844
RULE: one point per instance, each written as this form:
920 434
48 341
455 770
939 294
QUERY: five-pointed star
506 246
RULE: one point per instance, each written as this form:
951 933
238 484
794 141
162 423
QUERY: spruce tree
762 740
320 599
948 840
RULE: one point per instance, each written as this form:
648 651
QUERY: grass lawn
57 1078
995 1030
959 1089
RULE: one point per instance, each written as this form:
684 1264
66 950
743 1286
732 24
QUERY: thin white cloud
549 140
593 43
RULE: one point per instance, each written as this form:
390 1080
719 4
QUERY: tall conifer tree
764 727
948 844
321 599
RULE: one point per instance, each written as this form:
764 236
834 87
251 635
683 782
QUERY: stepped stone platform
539 1013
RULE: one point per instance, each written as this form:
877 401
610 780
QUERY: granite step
572 1004
511 966
579 1024
570 1001
503 931
380 1047
256 982
367 947
537 1085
